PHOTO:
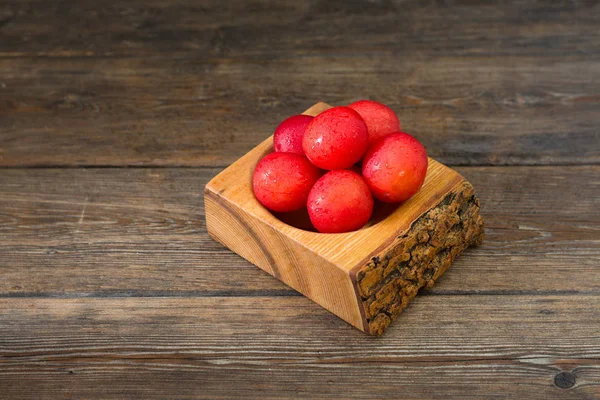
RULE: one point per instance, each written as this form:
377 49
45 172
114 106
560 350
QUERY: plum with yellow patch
395 167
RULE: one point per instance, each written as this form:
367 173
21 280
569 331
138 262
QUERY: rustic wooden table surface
113 117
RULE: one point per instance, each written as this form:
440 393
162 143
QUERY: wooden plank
467 111
447 347
141 232
129 27
114 232
508 86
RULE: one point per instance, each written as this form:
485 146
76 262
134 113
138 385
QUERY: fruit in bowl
336 139
379 118
339 202
394 165
282 181
288 135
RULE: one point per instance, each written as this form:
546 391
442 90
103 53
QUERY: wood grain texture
189 84
467 347
143 233
114 232
249 28
418 257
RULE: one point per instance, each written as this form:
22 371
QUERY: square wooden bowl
366 277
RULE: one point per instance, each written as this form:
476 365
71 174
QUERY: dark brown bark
419 256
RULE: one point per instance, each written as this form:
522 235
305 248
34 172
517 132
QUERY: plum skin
395 167
282 181
288 135
340 201
379 118
335 139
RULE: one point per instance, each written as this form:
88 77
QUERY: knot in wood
564 380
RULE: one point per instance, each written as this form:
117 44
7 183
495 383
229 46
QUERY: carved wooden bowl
366 277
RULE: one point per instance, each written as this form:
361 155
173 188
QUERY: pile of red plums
394 165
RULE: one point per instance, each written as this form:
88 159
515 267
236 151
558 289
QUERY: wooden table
113 117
